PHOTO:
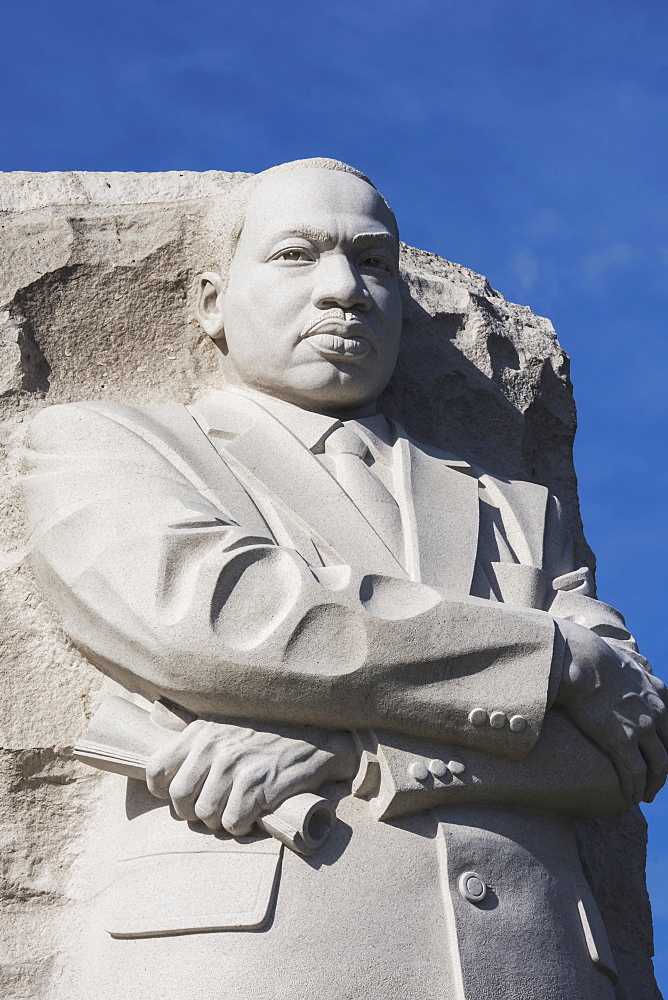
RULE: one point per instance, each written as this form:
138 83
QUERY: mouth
334 336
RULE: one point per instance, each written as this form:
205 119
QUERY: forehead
335 201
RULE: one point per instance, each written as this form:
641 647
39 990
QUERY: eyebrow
321 236
383 238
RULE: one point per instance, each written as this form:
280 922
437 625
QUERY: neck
327 410
354 413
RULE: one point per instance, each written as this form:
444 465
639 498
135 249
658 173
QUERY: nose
339 285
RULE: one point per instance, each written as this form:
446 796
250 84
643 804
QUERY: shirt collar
313 428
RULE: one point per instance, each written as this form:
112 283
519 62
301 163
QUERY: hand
620 706
227 776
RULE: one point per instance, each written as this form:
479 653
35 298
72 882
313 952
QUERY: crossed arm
162 590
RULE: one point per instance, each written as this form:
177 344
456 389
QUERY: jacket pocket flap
186 892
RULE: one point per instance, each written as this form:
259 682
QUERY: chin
346 391
324 387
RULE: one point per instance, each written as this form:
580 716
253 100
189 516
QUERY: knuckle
196 727
184 808
239 816
240 825
208 813
225 758
154 770
157 781
247 777
181 788
256 770
233 821
184 740
627 735
204 737
656 704
157 789
237 828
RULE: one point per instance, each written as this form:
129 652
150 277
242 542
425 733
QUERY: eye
291 254
377 263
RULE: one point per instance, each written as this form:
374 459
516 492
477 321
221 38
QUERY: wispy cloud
526 268
600 266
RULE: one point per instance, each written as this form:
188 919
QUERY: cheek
262 320
253 298
247 312
388 302
271 300
391 313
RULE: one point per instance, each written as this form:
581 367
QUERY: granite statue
310 602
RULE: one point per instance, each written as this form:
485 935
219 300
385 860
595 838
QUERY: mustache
340 319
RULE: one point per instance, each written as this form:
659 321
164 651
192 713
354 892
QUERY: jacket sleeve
161 589
565 772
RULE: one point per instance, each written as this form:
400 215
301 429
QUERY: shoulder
68 424
520 490
428 449
227 412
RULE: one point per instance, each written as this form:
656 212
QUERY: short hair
225 221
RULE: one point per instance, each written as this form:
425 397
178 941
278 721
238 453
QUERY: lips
332 343
333 335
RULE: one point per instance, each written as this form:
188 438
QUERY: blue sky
525 140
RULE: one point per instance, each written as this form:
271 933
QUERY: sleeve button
518 723
438 768
478 717
497 720
418 771
456 767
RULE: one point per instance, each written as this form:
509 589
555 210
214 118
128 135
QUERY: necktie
369 495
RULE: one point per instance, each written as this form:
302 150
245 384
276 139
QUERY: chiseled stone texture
97 274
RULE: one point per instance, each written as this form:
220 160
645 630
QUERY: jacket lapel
440 512
271 460
523 508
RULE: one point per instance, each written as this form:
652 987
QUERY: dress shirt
313 428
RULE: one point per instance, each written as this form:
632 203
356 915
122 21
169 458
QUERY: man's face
312 312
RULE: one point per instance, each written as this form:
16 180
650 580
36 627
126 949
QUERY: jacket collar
438 492
312 428
272 459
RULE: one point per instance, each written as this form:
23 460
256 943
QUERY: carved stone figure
307 600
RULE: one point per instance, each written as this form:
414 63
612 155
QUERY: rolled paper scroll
122 736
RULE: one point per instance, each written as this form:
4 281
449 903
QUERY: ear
209 306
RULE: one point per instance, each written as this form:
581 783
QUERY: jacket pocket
183 892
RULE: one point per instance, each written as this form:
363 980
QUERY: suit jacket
205 555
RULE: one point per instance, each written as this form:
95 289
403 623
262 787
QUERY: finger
660 716
160 770
636 771
244 806
163 765
281 784
613 740
187 784
215 792
656 759
659 687
628 761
